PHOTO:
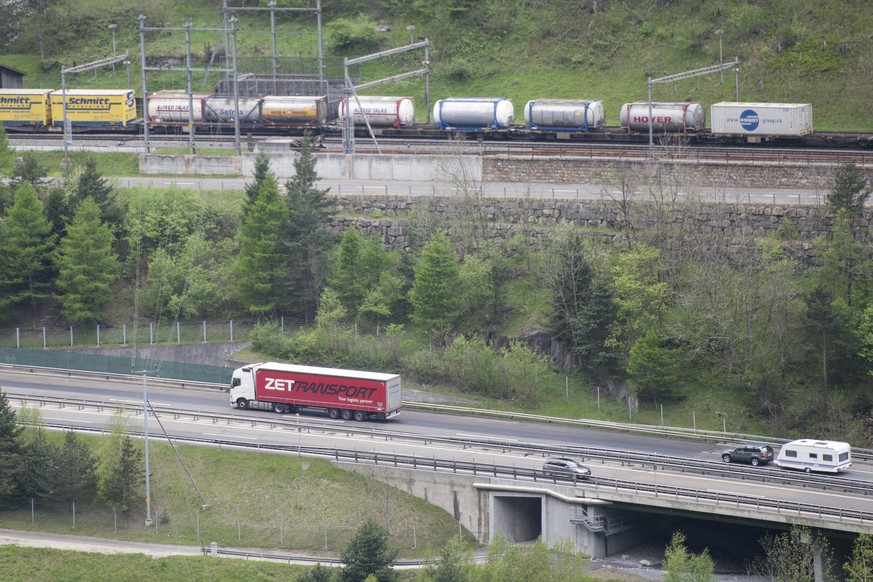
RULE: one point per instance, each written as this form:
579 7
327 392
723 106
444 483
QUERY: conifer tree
306 237
850 191
346 273
26 244
262 170
11 458
76 475
262 263
368 554
40 466
121 473
87 264
92 184
434 294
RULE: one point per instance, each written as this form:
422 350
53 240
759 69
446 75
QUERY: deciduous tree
653 367
792 556
684 566
859 568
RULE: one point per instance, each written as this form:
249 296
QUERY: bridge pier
487 507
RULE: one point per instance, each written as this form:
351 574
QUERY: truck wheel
333 413
241 403
279 408
360 416
347 414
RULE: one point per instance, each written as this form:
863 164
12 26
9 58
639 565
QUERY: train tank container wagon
380 111
760 120
94 107
25 108
680 117
473 113
346 394
294 110
224 110
564 114
171 107
814 455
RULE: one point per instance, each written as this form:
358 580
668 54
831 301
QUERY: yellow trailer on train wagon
25 107
94 107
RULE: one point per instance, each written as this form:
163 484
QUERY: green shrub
353 34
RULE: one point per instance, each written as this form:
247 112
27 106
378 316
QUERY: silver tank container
566 114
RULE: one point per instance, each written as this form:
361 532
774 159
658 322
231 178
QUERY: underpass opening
519 518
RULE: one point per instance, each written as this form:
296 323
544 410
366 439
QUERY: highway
455 438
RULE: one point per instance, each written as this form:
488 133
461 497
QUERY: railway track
524 150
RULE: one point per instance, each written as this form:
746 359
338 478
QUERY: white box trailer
815 455
761 119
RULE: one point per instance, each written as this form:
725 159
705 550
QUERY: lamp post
112 27
127 64
720 34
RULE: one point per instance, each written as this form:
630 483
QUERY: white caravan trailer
814 455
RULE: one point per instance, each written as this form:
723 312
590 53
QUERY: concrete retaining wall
669 172
329 166
191 165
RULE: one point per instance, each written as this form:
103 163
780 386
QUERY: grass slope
788 51
257 500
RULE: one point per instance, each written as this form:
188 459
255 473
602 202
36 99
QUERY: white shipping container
761 119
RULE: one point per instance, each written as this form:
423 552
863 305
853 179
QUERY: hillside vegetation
713 328
816 52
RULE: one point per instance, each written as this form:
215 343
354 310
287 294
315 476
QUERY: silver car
561 466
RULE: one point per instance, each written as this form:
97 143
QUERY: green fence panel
116 365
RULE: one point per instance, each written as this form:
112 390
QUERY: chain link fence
124 335
288 530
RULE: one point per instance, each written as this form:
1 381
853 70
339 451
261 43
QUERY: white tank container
223 110
278 109
789 119
681 117
380 111
566 114
173 106
474 113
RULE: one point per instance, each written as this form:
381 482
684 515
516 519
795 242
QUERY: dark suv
566 467
749 453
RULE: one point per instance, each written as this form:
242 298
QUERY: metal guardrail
655 461
604 485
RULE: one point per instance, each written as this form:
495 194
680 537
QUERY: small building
11 78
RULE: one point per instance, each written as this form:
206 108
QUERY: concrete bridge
599 520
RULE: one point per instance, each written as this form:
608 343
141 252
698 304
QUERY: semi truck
346 394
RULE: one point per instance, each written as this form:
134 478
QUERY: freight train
394 116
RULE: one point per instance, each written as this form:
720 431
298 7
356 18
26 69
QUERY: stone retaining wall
736 225
683 173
